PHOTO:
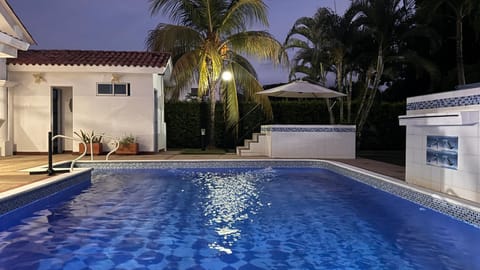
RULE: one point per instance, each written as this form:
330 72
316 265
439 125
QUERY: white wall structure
75 75
13 37
303 141
442 142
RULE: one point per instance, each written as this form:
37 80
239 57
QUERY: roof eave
14 42
85 69
27 36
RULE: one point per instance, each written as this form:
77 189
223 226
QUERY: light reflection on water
228 199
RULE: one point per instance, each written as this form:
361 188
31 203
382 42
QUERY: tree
459 10
325 44
342 35
310 37
210 37
385 22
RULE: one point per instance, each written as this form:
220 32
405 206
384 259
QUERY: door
62 118
57 119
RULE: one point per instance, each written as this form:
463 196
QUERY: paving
12 176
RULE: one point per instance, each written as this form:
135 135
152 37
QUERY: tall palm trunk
369 94
211 94
459 42
339 65
349 98
330 111
211 135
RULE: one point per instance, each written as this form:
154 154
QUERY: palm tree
385 22
310 36
459 9
342 34
210 37
325 44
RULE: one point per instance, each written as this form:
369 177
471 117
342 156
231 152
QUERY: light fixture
227 75
115 78
38 77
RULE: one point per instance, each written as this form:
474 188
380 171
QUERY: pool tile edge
24 195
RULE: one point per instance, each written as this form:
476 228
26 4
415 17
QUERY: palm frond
242 13
251 86
175 39
294 43
184 73
242 61
259 44
179 11
229 92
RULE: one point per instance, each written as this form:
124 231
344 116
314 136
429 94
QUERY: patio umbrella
301 89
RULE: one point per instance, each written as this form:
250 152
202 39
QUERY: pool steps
253 147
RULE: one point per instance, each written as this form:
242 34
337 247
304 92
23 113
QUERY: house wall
451 118
111 115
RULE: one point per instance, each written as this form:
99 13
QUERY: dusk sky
123 25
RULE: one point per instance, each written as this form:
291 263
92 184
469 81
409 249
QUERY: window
113 89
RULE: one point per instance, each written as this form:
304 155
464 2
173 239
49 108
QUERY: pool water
273 218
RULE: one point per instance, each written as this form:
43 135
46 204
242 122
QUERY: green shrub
185 119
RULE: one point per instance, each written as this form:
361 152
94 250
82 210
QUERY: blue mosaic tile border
28 197
444 103
458 212
307 129
455 211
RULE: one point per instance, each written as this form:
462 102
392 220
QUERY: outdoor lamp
227 75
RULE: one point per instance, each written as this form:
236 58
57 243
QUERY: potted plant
95 140
128 145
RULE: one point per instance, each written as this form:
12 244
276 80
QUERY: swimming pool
235 218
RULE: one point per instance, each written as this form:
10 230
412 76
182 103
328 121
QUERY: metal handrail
230 129
73 139
114 139
90 139
116 145
249 132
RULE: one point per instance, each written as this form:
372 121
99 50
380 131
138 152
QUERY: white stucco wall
111 115
310 141
444 114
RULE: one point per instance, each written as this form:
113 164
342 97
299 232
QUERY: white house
63 91
108 92
13 37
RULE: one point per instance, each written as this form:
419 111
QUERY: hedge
185 119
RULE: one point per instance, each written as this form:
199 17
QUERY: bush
185 119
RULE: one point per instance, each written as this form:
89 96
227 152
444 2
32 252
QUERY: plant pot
97 148
127 149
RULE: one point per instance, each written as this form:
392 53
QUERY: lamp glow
227 75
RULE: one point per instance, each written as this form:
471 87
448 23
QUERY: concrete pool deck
12 176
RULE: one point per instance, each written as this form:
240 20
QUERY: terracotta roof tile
90 58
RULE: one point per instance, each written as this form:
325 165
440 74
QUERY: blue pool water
278 218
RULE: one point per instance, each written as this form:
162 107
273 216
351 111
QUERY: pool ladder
113 140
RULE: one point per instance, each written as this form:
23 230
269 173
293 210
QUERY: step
246 150
252 154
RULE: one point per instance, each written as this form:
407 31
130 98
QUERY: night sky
124 24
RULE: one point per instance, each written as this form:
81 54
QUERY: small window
104 89
113 89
